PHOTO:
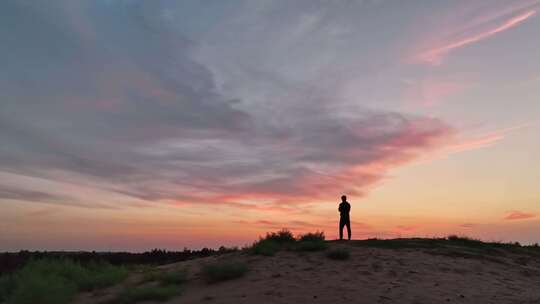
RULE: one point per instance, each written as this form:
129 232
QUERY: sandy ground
371 275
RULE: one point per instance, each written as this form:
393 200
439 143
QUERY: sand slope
371 275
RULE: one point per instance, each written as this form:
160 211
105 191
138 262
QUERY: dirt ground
370 275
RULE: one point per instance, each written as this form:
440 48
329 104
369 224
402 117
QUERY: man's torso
344 209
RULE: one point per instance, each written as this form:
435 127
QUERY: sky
132 125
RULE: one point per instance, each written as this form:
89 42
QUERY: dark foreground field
280 269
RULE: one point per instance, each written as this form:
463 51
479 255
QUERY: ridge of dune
371 275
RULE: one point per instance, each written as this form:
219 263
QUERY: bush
284 239
57 281
147 293
312 236
281 237
265 247
222 271
312 241
273 242
338 254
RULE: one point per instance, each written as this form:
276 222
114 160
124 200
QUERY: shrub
284 239
265 247
312 241
147 293
273 242
338 254
222 271
312 236
283 236
57 281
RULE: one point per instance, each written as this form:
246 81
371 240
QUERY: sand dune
370 275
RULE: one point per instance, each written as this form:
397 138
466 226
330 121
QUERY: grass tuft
338 254
223 271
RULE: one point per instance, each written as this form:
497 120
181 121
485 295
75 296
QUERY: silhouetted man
344 220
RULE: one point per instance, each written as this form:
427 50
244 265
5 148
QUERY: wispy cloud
519 215
36 196
435 54
484 140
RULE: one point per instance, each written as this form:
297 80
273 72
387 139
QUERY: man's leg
349 229
341 224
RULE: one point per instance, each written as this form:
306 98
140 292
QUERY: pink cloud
434 54
518 215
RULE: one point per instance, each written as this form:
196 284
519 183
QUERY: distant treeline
11 261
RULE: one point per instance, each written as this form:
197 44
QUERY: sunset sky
130 125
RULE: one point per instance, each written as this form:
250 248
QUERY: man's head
343 198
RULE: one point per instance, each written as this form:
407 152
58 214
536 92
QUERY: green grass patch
155 285
338 254
223 271
148 293
451 241
58 281
455 246
6 285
